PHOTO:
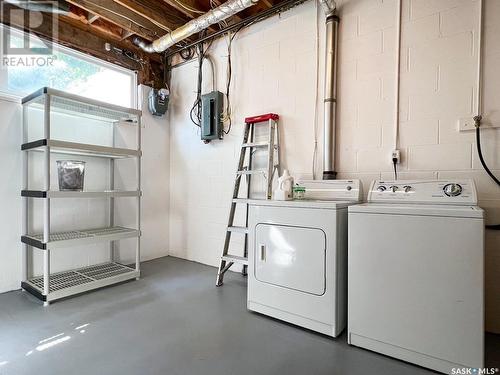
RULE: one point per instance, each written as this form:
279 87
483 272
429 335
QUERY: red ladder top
262 118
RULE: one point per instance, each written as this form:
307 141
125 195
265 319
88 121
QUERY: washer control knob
349 188
407 188
452 190
381 188
394 188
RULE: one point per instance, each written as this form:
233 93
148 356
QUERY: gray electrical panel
211 116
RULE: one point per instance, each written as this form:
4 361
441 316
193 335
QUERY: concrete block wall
274 70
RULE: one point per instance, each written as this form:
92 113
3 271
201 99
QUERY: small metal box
211 114
158 102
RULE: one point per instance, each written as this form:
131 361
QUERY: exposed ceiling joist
122 17
67 33
268 3
190 9
125 34
155 13
92 18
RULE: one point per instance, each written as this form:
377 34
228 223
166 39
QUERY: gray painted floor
174 321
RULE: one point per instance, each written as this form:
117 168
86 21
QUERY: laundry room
250 186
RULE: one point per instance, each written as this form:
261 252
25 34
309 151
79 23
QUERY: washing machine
297 257
415 266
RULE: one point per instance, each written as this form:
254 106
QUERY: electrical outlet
466 124
396 155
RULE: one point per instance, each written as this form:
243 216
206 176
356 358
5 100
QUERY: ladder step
255 144
249 172
237 229
235 259
240 200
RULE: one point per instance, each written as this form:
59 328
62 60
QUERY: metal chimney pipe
216 15
329 129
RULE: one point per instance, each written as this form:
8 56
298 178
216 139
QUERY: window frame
9 96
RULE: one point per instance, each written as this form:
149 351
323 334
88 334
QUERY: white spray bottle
284 190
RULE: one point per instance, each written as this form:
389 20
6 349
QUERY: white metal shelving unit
52 286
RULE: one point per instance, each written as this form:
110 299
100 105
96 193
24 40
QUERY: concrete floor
174 321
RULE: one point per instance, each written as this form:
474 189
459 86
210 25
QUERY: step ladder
273 162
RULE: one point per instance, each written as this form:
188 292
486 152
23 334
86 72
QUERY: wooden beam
268 3
113 38
125 34
121 16
193 4
76 35
107 28
87 18
168 19
92 18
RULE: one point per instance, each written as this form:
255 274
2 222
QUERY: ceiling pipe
330 95
216 15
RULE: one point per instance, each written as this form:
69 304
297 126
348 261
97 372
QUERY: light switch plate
466 124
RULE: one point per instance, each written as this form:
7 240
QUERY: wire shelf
60 281
70 104
60 239
42 104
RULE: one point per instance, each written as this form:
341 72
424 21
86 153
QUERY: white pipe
216 15
397 81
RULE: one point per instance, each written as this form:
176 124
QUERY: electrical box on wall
211 116
158 101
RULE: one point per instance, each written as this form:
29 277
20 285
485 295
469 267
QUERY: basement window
63 69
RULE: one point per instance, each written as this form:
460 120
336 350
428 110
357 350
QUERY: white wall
86 213
274 69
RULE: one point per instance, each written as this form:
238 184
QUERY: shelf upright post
25 201
111 199
46 202
139 196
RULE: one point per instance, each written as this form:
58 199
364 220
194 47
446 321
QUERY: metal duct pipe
216 15
329 129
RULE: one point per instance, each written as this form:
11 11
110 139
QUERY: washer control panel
461 192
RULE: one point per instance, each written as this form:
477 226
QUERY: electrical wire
187 54
477 120
212 67
188 8
195 112
227 116
480 153
479 101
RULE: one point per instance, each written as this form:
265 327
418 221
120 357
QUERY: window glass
69 71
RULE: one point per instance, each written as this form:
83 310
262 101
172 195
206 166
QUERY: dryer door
291 257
